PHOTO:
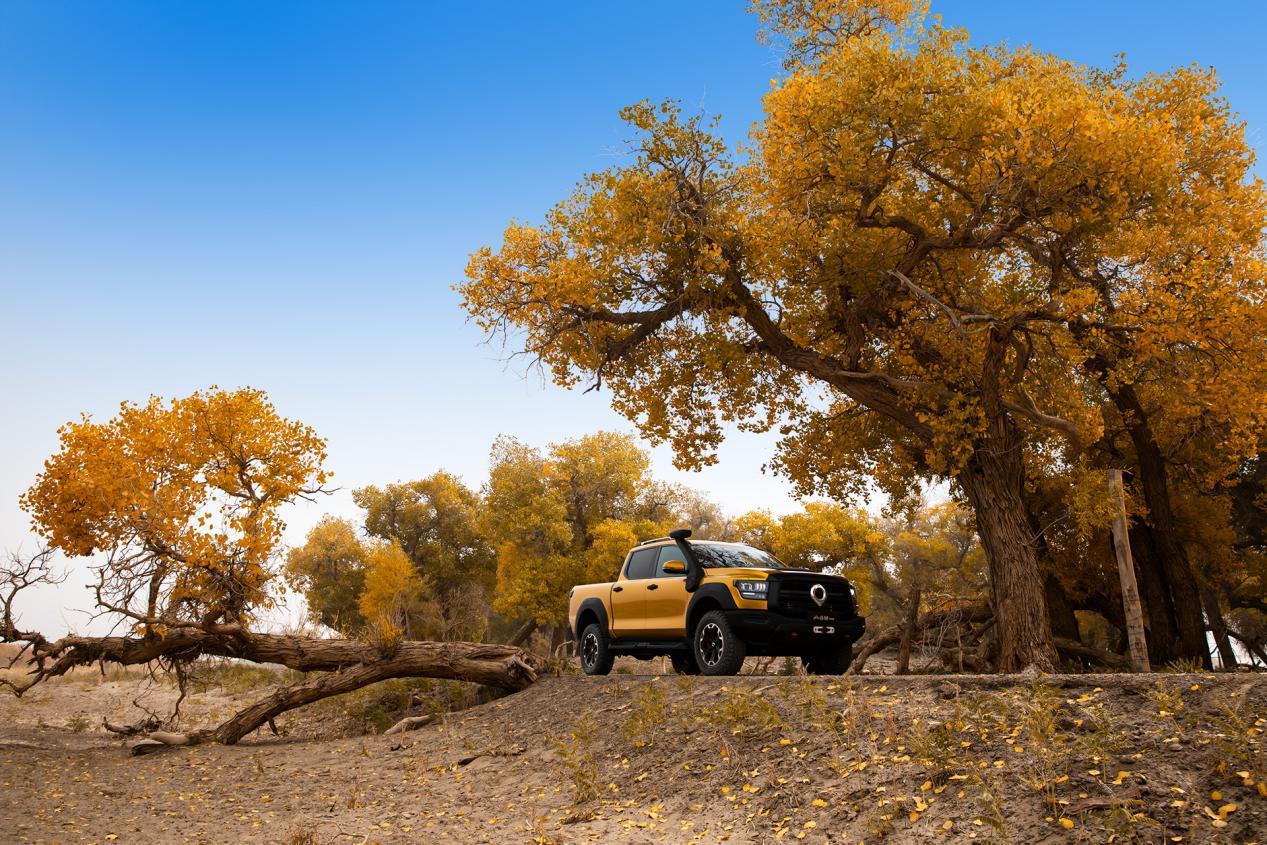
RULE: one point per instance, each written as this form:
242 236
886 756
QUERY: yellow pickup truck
708 605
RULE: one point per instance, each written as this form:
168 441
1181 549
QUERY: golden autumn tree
436 522
396 602
184 499
905 269
182 503
328 570
567 517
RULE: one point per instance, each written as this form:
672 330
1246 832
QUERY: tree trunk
1073 648
483 663
994 482
1063 621
1255 651
346 665
1153 481
1159 618
1218 627
413 663
908 633
525 631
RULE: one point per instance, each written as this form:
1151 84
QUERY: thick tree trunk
994 482
908 633
483 663
1063 621
1159 622
1153 482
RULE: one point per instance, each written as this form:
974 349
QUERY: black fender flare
707 593
594 604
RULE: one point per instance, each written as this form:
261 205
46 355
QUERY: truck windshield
713 555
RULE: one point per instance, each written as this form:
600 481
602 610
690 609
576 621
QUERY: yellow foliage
931 259
568 517
395 596
329 570
933 549
933 232
184 496
436 521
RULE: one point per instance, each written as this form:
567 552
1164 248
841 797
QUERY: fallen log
503 666
420 663
344 665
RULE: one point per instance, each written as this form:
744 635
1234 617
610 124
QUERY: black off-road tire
594 649
684 662
717 649
829 662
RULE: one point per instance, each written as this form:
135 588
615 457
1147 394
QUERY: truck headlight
753 589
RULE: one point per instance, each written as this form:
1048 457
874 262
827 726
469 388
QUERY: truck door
629 594
667 597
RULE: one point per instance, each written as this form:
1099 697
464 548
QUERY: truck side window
668 553
642 564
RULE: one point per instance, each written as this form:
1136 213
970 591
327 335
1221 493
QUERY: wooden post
1126 572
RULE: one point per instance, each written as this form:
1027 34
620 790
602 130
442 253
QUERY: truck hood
763 572
738 572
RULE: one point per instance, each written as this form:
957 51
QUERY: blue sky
282 194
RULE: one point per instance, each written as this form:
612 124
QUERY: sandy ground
634 758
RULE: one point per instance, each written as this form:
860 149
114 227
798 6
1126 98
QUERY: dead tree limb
345 665
484 663
506 670
967 615
1073 648
410 723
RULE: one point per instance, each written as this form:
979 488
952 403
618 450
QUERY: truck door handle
617 589
653 586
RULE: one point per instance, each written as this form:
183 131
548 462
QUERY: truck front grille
793 598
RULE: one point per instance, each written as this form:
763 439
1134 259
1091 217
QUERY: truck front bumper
765 631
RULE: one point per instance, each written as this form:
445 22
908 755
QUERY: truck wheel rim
711 643
589 650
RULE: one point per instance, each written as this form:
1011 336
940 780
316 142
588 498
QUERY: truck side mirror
674 567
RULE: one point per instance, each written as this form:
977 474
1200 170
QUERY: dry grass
903 761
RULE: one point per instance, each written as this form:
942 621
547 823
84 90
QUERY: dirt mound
675 759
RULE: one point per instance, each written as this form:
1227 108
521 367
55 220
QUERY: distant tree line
437 559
